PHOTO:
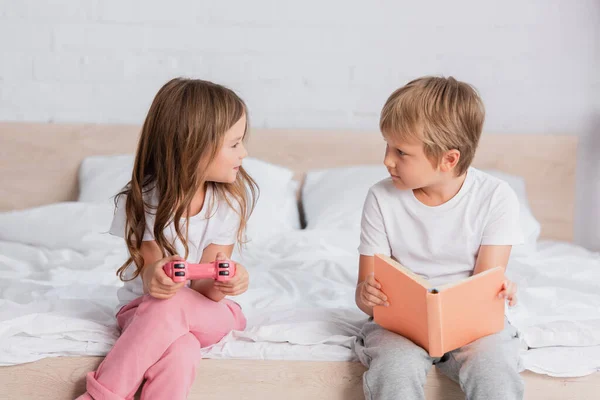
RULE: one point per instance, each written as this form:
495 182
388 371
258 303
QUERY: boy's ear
449 160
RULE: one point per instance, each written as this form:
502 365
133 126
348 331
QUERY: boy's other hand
371 294
509 292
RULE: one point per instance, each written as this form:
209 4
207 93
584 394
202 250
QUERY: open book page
470 309
443 318
406 292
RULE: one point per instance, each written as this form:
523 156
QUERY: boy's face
408 165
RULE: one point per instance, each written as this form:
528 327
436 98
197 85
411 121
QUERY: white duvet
58 294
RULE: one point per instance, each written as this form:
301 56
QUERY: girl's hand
509 292
238 284
370 293
156 283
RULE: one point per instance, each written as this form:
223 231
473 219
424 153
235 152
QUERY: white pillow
333 198
101 177
276 210
529 225
68 225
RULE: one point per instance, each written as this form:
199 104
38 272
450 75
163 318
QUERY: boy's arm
206 286
368 292
373 239
365 267
501 232
491 256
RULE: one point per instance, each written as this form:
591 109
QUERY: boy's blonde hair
443 113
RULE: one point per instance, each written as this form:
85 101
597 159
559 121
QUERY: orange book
442 318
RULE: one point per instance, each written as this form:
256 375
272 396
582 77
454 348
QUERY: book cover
442 318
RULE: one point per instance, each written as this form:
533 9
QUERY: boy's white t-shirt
219 227
440 243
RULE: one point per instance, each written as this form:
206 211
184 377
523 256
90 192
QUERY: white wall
321 64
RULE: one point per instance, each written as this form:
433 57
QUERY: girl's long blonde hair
181 136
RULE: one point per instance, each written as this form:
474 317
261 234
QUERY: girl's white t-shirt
219 227
440 243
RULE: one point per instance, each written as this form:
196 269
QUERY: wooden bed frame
38 165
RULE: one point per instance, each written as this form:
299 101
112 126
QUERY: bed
39 166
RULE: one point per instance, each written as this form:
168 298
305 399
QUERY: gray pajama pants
487 369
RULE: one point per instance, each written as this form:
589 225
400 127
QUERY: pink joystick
181 271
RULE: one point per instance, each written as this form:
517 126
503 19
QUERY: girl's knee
239 319
186 348
182 356
185 296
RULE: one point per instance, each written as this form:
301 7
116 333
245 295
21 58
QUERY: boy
445 221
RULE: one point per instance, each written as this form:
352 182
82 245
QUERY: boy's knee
401 363
495 381
490 370
396 373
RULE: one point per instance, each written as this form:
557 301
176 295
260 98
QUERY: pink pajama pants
160 342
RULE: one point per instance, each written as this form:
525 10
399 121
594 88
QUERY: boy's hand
156 283
509 292
370 293
236 285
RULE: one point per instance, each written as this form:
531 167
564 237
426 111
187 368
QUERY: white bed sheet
57 301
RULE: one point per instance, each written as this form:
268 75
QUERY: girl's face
225 166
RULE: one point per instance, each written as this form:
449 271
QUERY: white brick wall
322 64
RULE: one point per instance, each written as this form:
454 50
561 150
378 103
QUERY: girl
188 195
